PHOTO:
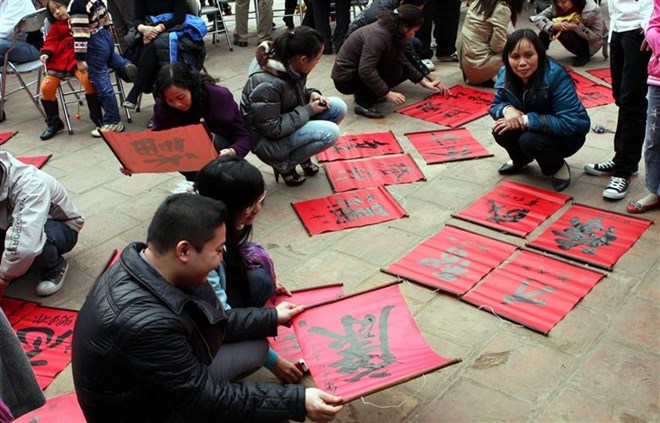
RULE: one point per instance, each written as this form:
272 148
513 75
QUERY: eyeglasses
258 203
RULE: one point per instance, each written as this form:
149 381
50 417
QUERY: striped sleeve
80 26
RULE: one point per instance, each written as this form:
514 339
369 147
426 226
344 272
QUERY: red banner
358 146
390 170
348 210
5 136
285 343
448 145
533 290
453 260
36 161
590 93
464 105
603 74
45 335
364 343
62 409
513 208
16 309
182 149
592 236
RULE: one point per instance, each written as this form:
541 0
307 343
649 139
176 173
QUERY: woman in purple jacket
184 97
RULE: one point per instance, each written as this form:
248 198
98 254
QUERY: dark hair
487 7
511 43
413 2
578 5
49 14
180 75
399 21
185 217
238 184
300 40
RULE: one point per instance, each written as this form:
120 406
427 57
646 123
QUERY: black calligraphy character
40 342
452 261
428 107
175 144
590 235
145 147
510 216
528 297
358 174
397 169
364 353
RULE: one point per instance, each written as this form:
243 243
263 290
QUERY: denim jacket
554 108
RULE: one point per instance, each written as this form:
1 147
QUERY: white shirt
627 15
11 11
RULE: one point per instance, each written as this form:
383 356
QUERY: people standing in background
318 12
264 26
628 65
122 18
483 37
652 147
441 19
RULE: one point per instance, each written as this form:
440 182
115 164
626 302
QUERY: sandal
638 208
291 177
309 168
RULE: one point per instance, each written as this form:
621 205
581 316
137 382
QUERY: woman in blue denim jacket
537 113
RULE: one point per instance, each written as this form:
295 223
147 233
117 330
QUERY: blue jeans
100 55
23 52
652 146
60 239
320 133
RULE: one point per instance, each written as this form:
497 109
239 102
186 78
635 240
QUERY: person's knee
262 286
530 144
338 109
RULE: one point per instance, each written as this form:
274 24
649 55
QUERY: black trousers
446 15
628 66
392 73
318 17
571 42
548 150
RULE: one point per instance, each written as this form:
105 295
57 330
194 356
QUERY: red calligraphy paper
5 136
36 161
285 343
513 208
356 146
182 149
45 335
464 105
453 260
591 235
114 257
364 343
15 309
533 290
62 409
590 93
390 170
348 210
448 145
605 74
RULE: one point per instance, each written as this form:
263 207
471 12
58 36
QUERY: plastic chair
29 23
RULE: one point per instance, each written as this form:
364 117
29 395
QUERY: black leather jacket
141 348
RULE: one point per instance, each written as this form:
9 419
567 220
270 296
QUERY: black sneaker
602 169
617 188
52 285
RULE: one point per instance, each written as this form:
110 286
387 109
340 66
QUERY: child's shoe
108 127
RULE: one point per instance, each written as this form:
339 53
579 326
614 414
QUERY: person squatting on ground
577 24
184 97
58 55
151 329
246 277
94 49
538 115
290 123
373 61
483 37
652 147
38 223
628 66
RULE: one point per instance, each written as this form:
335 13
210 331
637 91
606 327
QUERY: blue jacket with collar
554 108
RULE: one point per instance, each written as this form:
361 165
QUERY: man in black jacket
150 328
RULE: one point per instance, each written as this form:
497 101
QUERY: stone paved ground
601 363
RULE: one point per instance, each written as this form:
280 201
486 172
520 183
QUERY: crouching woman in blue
537 113
290 123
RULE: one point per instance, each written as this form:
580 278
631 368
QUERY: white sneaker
95 132
112 127
51 286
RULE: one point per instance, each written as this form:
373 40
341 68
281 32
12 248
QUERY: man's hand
286 311
282 290
321 406
396 98
286 371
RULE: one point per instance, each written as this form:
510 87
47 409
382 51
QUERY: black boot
95 113
53 120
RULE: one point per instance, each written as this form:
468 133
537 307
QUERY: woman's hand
568 26
227 152
286 311
434 83
318 102
512 120
149 33
282 290
396 98
286 371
